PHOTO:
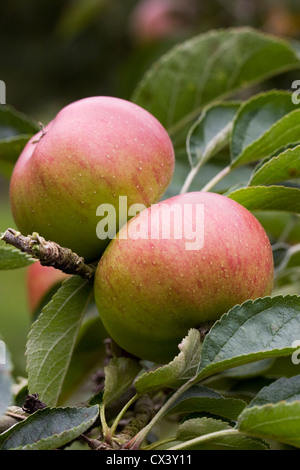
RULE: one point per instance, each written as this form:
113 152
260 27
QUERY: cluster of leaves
238 388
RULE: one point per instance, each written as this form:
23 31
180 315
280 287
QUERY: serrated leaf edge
276 157
227 426
248 410
54 436
40 318
252 188
190 43
291 297
257 97
165 367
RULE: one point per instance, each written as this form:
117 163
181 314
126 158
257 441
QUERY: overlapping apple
149 289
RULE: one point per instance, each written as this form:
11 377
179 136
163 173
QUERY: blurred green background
54 52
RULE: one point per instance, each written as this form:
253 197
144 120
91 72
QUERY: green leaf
96 399
15 131
210 132
268 198
119 376
208 136
234 341
49 429
178 371
284 133
14 123
258 127
201 399
207 67
192 428
250 370
52 338
87 359
283 389
283 167
11 258
284 366
197 427
11 147
279 422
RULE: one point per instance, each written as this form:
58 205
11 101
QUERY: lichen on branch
49 253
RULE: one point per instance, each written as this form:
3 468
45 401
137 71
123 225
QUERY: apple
177 265
154 20
40 280
95 150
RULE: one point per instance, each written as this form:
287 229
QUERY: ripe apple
151 289
93 151
40 280
153 20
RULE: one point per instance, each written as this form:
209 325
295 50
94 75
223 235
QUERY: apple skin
93 151
39 281
150 292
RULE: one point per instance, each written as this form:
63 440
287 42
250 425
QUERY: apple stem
122 412
143 413
284 263
207 437
160 443
217 178
215 145
189 179
49 253
105 428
